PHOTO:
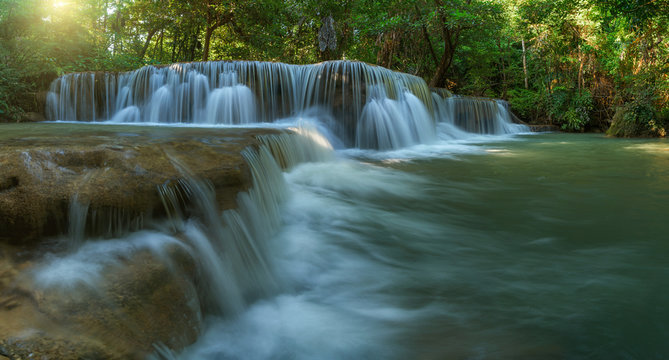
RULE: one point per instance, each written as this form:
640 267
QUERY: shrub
577 115
569 108
11 88
525 103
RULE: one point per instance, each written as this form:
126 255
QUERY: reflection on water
659 148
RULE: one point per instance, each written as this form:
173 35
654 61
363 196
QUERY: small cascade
201 262
476 115
78 214
130 114
289 150
390 124
232 246
230 104
86 220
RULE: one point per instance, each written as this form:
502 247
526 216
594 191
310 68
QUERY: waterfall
372 107
231 104
476 115
217 262
232 246
389 124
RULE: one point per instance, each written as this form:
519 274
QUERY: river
549 246
435 229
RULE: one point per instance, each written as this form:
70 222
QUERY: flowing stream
458 241
520 249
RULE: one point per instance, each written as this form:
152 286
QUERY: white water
289 273
307 266
367 106
344 256
85 267
332 304
231 248
407 253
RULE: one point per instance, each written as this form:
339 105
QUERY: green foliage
558 102
663 116
578 112
571 109
526 103
644 110
10 86
638 118
565 62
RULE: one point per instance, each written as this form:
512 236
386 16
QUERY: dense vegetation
579 64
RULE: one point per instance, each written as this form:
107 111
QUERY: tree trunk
522 41
104 17
118 44
580 73
147 42
426 36
450 38
174 44
502 66
429 45
327 38
439 78
193 45
207 41
160 41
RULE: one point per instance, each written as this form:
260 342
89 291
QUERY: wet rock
32 117
544 128
38 345
138 301
113 172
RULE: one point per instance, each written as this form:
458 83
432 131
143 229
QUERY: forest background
583 65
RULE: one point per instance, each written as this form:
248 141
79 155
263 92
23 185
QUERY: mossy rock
115 171
636 119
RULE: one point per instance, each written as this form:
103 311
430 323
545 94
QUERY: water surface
547 246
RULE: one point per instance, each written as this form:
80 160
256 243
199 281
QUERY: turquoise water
562 246
547 246
453 245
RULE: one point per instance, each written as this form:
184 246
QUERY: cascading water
254 262
476 115
429 248
231 104
372 107
233 245
231 248
391 124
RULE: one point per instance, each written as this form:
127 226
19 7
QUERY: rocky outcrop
112 173
544 128
33 117
104 180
